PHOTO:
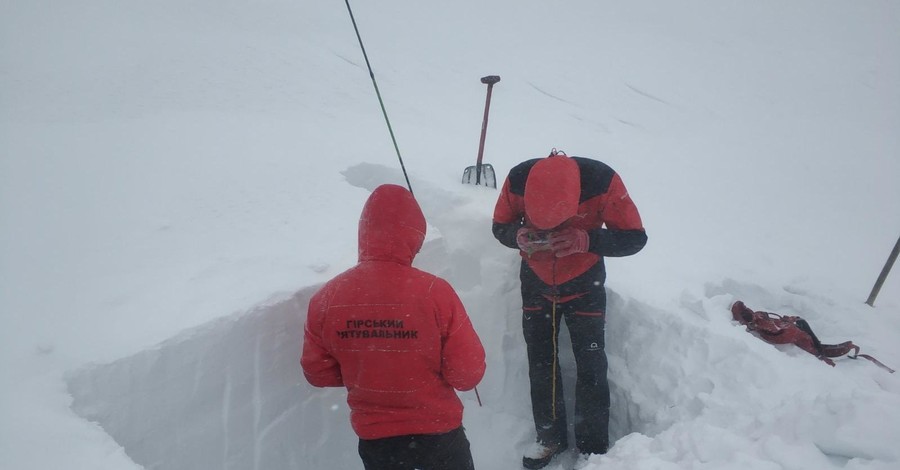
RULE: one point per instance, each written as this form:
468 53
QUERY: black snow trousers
448 451
585 319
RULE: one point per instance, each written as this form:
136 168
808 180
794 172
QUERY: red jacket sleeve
509 207
462 354
319 366
624 234
508 216
619 212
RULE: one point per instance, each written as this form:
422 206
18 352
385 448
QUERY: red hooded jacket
572 192
397 337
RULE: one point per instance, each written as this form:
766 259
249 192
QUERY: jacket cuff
614 243
506 233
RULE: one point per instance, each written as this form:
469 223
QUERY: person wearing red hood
565 214
399 340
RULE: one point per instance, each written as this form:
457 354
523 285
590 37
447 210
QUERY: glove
531 240
569 241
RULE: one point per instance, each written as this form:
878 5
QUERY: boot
539 455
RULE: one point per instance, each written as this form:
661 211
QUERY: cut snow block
226 395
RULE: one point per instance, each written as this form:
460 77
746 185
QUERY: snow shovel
483 173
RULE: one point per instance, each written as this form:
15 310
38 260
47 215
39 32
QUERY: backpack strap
837 350
804 325
875 361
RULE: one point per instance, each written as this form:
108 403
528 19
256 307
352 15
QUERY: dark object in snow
483 173
782 329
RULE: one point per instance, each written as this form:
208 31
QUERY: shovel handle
489 80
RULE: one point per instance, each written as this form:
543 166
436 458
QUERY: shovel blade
486 178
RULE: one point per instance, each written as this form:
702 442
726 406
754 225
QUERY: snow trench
230 394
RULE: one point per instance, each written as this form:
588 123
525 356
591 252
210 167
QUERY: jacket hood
392 226
552 191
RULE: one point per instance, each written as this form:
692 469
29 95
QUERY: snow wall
230 394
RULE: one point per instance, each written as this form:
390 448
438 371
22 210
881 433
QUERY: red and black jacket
605 211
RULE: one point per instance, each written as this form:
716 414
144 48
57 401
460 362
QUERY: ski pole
378 93
884 273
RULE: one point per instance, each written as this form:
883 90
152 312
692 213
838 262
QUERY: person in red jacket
399 340
565 214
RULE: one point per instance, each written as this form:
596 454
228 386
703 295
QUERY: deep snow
176 178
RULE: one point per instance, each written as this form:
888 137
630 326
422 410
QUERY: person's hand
569 241
531 240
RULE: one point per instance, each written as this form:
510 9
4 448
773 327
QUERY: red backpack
777 329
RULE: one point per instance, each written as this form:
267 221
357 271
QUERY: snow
177 178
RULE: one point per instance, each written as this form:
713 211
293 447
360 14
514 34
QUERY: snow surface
177 178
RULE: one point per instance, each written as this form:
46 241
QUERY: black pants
586 323
448 451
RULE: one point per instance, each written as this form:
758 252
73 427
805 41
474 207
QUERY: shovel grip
490 79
